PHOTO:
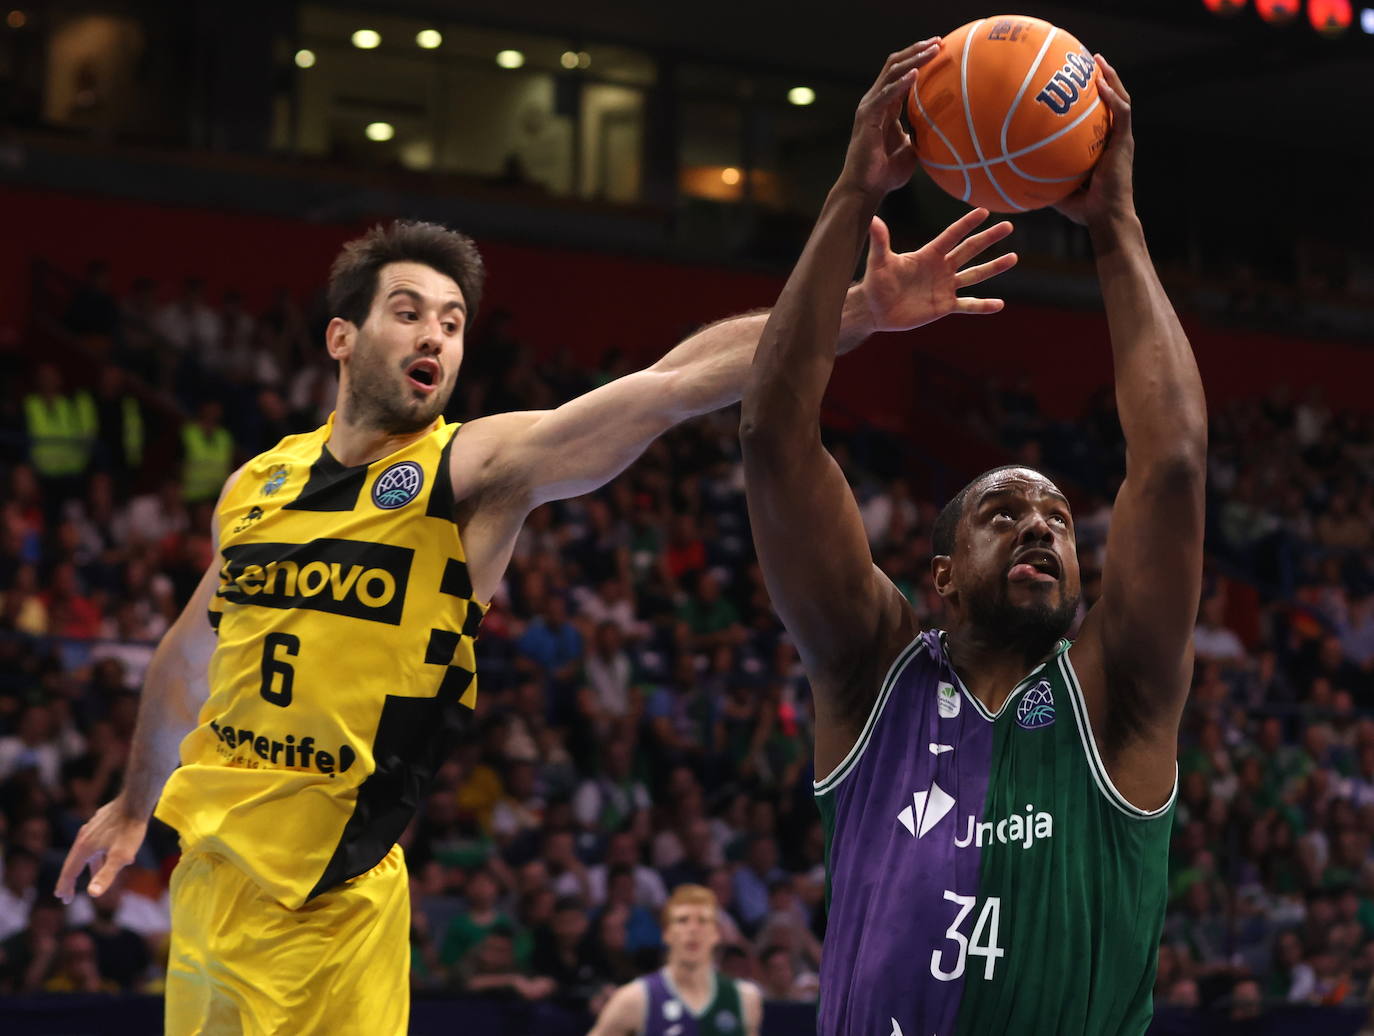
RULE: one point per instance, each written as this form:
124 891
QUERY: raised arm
1139 636
173 691
847 618
507 464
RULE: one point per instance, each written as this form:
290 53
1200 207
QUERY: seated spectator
753 879
122 955
18 890
1212 640
611 800
605 701
28 957
34 747
77 969
622 850
490 968
481 916
780 979
564 952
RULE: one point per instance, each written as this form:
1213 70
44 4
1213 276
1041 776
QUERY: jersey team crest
1036 707
398 485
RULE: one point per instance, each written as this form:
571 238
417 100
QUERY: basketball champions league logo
398 485
1036 707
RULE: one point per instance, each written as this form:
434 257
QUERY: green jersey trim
1099 769
1024 682
833 779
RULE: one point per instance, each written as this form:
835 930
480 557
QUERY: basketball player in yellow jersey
310 680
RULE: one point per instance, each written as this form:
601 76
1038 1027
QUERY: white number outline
989 917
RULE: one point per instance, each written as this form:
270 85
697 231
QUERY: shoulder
485 453
624 1012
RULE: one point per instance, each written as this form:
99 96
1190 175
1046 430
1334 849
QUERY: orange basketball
1007 116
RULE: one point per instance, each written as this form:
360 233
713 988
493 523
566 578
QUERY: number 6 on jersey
273 666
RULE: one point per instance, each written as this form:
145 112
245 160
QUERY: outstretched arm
537 456
173 692
1142 627
847 618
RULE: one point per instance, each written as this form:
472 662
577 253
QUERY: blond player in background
688 996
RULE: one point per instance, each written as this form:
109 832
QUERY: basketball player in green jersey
687 996
306 688
997 803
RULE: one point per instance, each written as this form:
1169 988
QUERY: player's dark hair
353 277
942 537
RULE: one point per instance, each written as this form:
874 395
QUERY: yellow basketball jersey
345 623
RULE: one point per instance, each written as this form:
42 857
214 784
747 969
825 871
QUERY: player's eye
1060 519
409 314
450 328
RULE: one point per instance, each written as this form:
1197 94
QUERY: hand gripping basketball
1109 190
880 157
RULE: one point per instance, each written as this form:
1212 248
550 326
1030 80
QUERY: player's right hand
108 843
881 157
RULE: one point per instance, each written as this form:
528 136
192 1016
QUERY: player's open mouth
424 374
1034 566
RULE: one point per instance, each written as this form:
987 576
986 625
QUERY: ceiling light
305 58
510 58
366 39
801 96
380 131
584 60
729 176
16 19
429 38
1367 20
568 59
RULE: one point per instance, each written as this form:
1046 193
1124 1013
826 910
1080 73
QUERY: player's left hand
1108 191
903 290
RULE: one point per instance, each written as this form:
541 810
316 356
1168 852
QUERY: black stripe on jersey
413 736
441 502
442 644
456 580
215 618
473 620
330 487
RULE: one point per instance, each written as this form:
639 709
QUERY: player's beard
379 396
1032 629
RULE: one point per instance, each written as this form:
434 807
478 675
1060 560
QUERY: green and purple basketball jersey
667 1014
984 874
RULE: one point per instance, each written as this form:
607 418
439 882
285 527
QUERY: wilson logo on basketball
1067 85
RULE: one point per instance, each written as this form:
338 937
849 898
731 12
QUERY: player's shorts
243 964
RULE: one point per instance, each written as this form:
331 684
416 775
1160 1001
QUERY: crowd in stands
643 721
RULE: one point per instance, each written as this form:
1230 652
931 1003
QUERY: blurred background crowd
643 721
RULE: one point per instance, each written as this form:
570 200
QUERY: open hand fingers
899 67
879 240
964 252
80 854
114 863
978 307
977 274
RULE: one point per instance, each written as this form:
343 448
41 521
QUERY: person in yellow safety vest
207 454
61 427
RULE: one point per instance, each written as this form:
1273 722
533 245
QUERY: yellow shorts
243 964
